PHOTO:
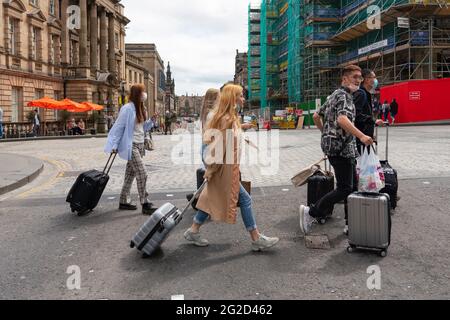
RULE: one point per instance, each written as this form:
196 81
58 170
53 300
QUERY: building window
130 76
52 49
116 40
34 3
36 42
13 36
38 94
16 104
135 77
57 96
52 7
73 53
140 78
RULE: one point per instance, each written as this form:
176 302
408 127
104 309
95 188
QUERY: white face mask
353 87
144 97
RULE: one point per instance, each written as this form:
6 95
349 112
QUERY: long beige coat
220 197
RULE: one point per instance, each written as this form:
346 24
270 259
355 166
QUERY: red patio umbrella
46 103
93 106
75 107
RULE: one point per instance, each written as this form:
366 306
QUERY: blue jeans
245 202
204 146
1 130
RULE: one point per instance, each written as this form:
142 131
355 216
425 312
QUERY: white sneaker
195 238
264 243
346 230
306 221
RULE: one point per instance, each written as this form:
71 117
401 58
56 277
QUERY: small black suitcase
88 189
390 174
319 185
200 174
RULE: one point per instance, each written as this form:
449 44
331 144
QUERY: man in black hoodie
363 99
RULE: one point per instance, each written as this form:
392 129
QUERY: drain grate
319 241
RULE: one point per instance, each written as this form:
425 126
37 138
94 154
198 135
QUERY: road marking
61 166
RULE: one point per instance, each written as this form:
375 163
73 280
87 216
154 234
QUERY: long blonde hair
226 108
209 102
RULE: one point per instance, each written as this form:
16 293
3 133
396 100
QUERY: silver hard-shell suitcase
369 222
153 233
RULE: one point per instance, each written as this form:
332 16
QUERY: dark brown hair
350 69
136 92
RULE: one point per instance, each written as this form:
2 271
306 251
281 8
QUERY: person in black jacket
363 99
394 110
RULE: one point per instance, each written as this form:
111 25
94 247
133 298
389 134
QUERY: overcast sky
198 37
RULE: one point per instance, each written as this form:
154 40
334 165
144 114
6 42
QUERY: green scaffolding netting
299 59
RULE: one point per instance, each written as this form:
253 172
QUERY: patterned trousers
135 169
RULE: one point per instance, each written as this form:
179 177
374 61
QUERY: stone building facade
155 66
136 72
60 48
190 105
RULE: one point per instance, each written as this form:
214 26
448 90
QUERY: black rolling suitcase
390 174
88 189
200 174
319 185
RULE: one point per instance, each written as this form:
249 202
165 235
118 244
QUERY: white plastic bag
370 173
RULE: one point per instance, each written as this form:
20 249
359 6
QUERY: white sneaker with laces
306 221
346 230
195 238
264 243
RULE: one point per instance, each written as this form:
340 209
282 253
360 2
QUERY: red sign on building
414 95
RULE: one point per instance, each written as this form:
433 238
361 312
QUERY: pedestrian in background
386 109
1 123
127 138
224 191
209 102
36 123
167 123
394 110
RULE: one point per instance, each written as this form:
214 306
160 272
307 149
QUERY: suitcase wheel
84 212
383 254
323 221
132 245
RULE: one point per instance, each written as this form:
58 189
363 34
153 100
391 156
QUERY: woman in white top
127 138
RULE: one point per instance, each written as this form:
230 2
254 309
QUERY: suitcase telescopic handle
110 162
387 125
196 195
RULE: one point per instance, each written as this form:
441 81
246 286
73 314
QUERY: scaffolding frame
254 54
305 43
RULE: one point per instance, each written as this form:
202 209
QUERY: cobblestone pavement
41 238
415 152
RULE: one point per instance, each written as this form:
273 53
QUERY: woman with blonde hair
223 192
127 138
209 102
